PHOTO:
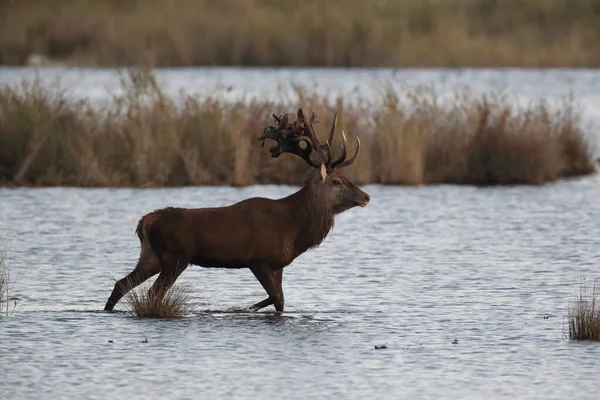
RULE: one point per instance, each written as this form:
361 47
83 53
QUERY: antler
342 162
289 136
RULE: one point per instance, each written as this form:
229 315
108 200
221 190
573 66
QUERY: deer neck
314 218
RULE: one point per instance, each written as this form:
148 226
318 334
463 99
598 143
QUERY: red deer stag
262 234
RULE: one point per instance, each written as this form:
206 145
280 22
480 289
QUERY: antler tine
332 131
340 160
329 142
282 121
309 132
351 160
272 132
315 140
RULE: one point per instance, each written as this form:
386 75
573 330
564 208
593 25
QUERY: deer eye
336 182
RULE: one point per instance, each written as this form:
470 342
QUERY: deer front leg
270 279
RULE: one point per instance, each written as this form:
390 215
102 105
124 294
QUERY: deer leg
146 268
262 304
172 268
270 279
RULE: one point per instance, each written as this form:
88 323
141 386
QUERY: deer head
299 138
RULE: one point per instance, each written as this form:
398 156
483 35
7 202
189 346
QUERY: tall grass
584 315
553 33
4 281
145 138
175 304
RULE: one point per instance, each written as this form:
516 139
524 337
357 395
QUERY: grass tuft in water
3 281
584 315
176 303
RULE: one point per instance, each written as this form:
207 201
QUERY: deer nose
366 200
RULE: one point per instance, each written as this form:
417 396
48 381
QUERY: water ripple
466 287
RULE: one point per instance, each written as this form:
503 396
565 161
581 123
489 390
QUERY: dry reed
145 138
584 316
4 282
176 303
3 299
433 33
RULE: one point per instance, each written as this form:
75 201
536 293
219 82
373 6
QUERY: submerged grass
175 304
433 33
584 315
4 280
145 138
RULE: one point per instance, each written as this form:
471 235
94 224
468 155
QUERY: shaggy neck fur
314 215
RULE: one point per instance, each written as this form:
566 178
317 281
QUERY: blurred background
332 33
175 92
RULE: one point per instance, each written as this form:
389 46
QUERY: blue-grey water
467 287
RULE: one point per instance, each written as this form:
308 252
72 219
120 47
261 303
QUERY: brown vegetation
4 281
145 138
174 304
584 316
526 33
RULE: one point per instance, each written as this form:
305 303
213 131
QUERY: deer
264 235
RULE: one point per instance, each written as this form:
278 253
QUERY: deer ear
323 172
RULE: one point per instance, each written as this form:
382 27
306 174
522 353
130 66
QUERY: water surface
467 287
491 270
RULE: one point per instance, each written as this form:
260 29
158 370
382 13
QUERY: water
415 270
492 270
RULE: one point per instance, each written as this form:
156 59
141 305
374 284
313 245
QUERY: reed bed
176 303
584 315
356 33
144 138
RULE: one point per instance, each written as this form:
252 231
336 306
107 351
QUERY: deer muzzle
363 199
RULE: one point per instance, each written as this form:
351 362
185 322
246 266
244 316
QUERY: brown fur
262 234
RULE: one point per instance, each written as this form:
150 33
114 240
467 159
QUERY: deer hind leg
147 267
172 267
270 279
